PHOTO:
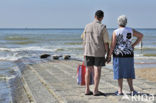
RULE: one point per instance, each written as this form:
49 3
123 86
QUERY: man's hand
108 59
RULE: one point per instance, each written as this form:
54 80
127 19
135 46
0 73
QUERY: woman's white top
123 46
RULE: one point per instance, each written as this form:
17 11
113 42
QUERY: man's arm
106 40
107 48
82 35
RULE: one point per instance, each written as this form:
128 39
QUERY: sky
75 13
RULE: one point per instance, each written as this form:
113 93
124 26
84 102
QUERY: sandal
90 93
99 94
118 94
134 93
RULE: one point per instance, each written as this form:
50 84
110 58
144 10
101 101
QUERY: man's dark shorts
94 61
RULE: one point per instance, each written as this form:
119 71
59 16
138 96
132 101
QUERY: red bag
81 71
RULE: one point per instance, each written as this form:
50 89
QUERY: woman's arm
139 37
113 44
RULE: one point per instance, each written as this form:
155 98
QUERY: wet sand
147 73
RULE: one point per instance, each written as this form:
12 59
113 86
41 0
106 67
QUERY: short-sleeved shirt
94 36
123 46
104 33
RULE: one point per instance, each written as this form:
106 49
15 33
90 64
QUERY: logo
137 96
129 36
125 96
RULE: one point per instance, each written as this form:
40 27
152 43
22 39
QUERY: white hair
122 20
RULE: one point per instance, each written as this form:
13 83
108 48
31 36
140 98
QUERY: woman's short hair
122 20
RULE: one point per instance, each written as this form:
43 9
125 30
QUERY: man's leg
130 83
97 75
87 78
120 81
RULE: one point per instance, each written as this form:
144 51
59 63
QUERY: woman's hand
133 46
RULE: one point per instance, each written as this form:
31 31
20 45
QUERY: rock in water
66 57
56 57
44 56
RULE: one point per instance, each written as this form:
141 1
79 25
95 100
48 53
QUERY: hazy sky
75 13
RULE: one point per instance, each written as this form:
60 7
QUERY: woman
123 55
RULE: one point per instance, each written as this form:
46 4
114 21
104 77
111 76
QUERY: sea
27 44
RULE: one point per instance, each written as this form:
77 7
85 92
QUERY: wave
26 49
13 54
23 42
44 49
73 43
12 57
150 55
145 48
16 38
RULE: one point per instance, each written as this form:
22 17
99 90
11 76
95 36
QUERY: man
95 40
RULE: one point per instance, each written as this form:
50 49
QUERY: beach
41 47
20 50
147 73
56 82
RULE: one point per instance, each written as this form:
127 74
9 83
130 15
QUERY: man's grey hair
122 20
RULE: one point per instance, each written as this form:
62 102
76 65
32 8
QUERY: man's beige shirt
94 36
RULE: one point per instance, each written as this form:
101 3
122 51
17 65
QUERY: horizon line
60 28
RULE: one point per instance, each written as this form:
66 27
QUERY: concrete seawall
55 82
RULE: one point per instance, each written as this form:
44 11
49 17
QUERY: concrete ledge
55 82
